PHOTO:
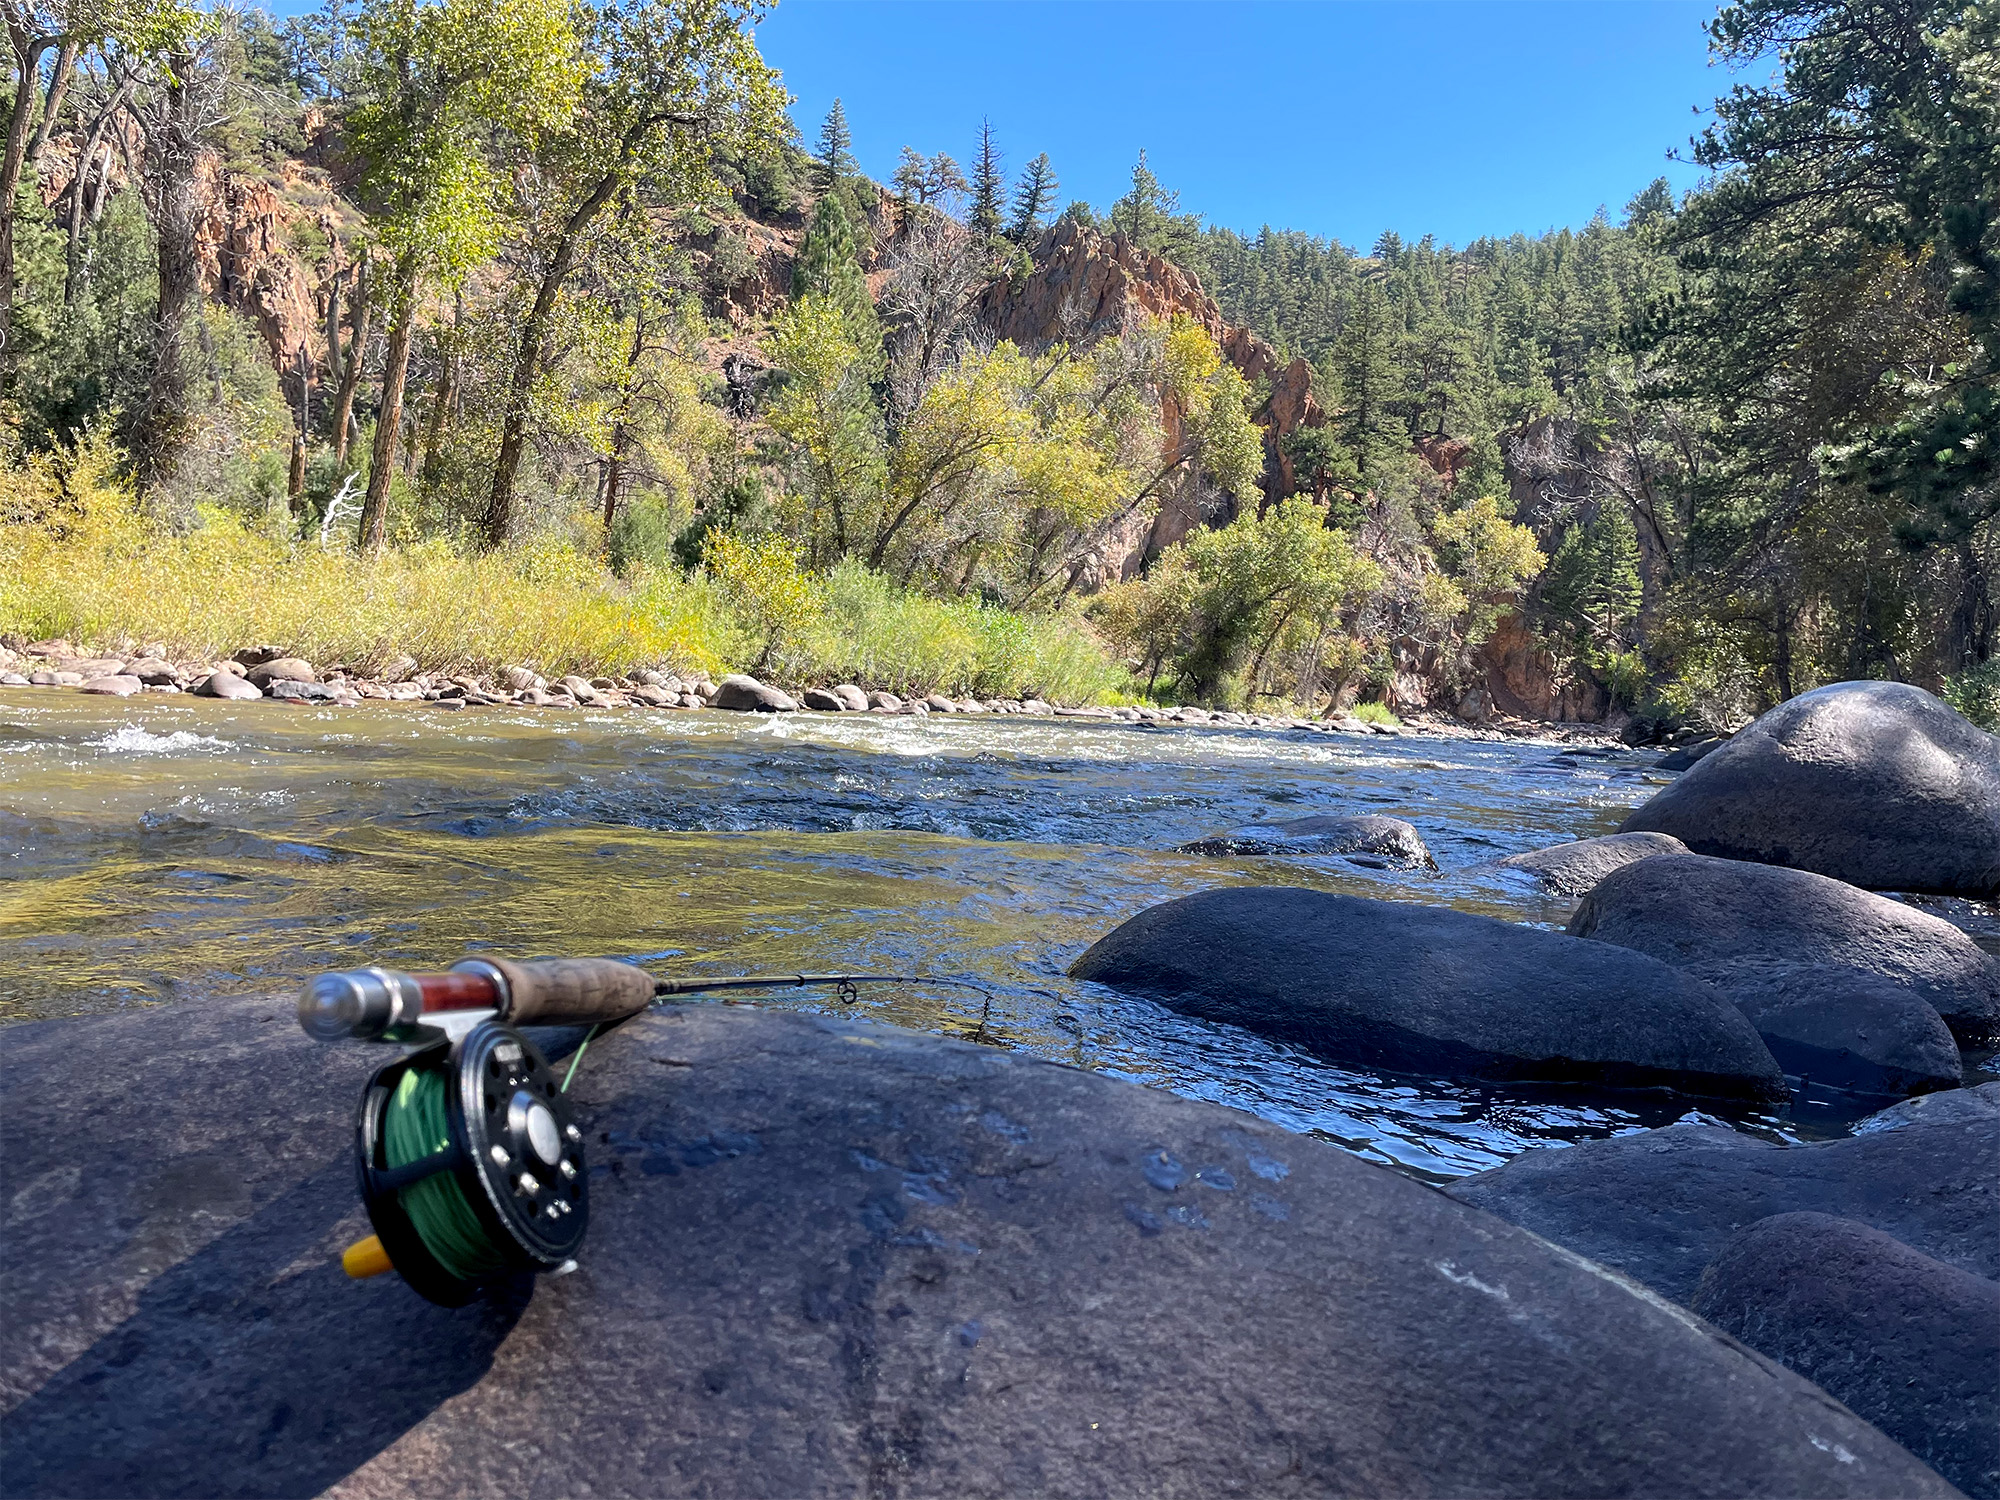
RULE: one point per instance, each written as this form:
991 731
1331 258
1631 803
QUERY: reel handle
565 991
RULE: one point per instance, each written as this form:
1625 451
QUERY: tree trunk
447 392
361 314
28 52
295 486
174 146
528 357
52 102
396 369
94 142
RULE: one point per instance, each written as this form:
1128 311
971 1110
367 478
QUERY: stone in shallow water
827 1256
1573 868
1695 912
1659 1205
747 694
227 685
1422 989
1369 833
1875 783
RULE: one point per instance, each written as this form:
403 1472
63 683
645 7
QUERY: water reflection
165 849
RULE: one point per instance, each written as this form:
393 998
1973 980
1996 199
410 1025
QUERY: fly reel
470 1165
471 1168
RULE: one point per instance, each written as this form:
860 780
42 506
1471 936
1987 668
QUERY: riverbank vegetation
535 332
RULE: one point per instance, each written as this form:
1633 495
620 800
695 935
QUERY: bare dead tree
936 273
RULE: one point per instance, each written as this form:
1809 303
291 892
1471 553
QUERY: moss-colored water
161 850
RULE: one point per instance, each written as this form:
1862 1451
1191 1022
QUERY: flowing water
166 849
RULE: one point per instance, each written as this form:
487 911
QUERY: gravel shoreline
265 672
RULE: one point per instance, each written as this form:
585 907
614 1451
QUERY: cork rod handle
572 991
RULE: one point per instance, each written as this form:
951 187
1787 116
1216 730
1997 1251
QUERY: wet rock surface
1706 914
1573 868
1369 833
1661 1204
827 1257
1433 990
1875 783
1841 1027
1909 1343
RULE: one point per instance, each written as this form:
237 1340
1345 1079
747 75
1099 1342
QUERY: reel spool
470 1166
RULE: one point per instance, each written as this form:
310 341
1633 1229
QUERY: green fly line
416 1125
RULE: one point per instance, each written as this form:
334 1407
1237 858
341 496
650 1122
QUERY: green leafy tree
666 83
442 79
1371 385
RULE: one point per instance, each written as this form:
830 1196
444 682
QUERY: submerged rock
1948 1107
827 1256
1422 989
1326 834
1659 1205
1573 868
1706 915
1687 755
1907 1342
118 685
1875 783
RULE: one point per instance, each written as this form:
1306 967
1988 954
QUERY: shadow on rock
253 1368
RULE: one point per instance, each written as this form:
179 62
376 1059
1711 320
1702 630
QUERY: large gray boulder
826 1258
748 695
1368 833
1875 783
1425 989
1707 915
1908 1342
1659 1205
1573 868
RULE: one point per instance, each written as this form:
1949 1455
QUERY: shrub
1374 713
1976 694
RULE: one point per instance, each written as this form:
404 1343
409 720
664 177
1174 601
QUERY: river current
168 849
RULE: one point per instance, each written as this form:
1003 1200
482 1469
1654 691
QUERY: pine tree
1035 196
834 156
1368 368
989 187
829 266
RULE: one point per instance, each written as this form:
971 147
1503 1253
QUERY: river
165 849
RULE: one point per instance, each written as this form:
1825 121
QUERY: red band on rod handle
457 990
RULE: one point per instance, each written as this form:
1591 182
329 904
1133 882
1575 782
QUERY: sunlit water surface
169 849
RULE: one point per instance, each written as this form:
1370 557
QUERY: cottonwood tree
442 81
666 83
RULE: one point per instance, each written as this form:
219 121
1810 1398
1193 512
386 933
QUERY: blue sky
1341 119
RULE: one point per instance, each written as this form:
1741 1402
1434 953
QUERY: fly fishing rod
470 1164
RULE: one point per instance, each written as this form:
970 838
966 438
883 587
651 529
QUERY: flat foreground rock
1426 989
827 1258
1659 1205
1908 1342
1875 783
